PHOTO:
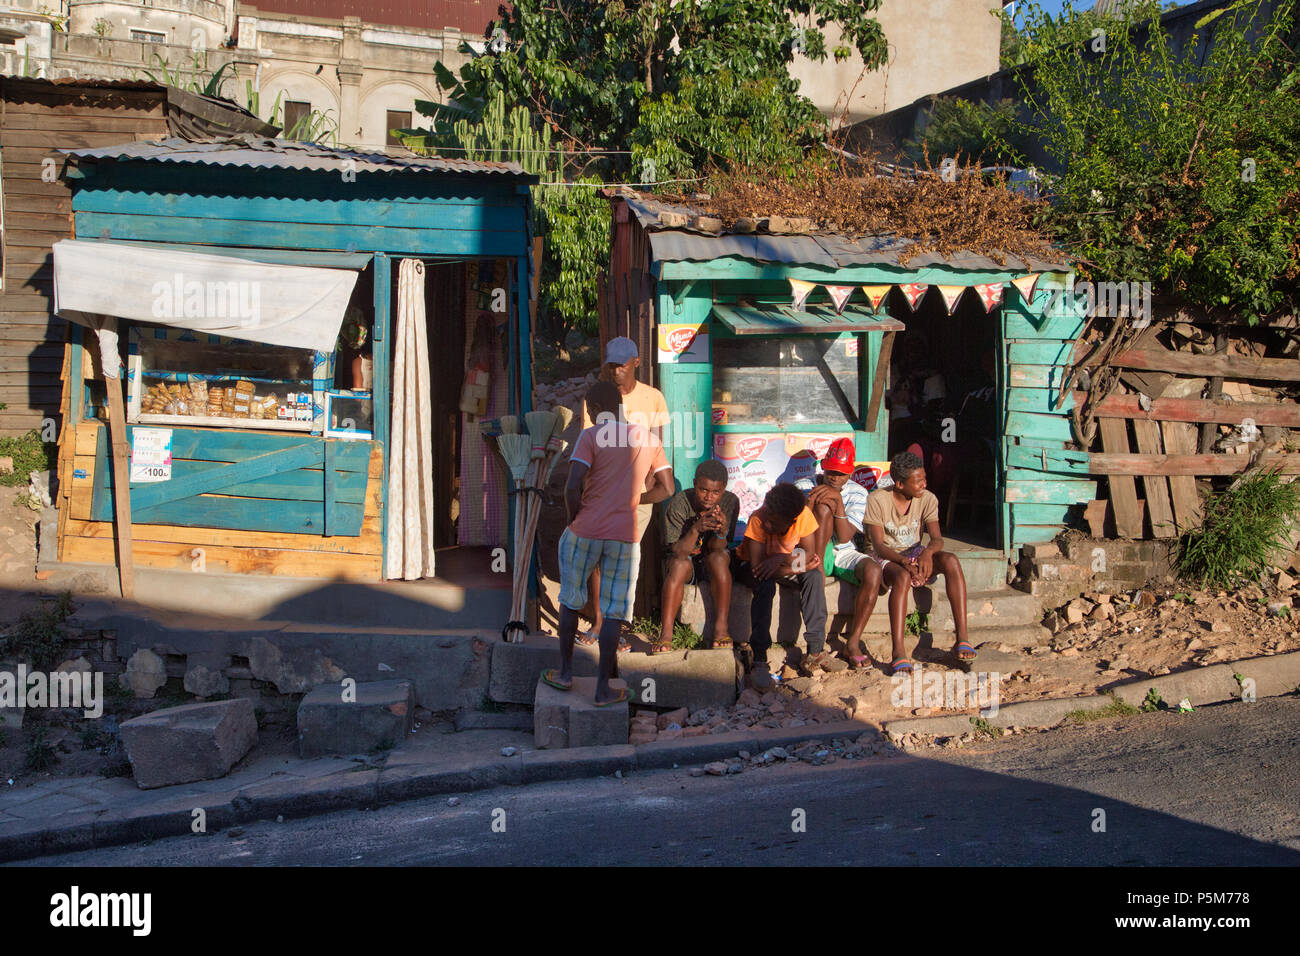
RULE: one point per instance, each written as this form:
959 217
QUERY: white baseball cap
620 350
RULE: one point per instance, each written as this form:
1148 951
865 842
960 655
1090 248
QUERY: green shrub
39 755
37 637
29 454
1245 527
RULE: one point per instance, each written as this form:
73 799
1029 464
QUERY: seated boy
840 506
780 546
699 523
895 517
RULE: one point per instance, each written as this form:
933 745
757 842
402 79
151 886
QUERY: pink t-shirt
620 458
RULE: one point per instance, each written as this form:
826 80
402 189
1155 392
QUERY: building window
148 36
296 113
787 381
397 119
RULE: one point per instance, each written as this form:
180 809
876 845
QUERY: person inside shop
840 507
643 405
895 518
779 547
615 466
699 524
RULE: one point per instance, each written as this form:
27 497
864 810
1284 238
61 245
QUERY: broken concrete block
188 743
355 718
202 681
572 719
145 673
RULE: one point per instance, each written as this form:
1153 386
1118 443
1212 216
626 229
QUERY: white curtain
410 453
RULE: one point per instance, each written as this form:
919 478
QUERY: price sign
151 454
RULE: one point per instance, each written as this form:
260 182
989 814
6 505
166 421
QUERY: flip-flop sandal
722 644
901 665
548 677
623 695
661 647
964 661
624 645
587 639
858 662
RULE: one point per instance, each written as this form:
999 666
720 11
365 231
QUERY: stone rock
1220 627
716 769
834 665
343 719
677 716
76 665
6 465
1070 652
292 671
572 719
671 733
201 681
1102 612
750 698
637 739
1144 599
188 743
1076 610
697 771
800 685
509 751
1284 581
696 731
1279 608
145 673
1052 621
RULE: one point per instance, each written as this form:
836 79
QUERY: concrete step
993 608
355 718
572 719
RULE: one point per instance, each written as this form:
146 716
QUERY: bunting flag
1026 285
875 294
913 291
951 293
840 295
799 290
990 295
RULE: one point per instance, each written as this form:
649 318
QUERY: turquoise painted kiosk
764 383
279 463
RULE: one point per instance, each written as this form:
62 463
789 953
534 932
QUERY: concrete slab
572 719
354 718
192 742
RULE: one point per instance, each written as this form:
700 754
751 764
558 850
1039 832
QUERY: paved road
1216 787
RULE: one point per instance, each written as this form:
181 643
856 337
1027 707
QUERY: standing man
611 467
643 405
699 523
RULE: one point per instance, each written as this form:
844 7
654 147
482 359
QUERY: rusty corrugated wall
469 16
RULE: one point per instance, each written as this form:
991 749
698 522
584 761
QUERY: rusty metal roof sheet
255 152
826 250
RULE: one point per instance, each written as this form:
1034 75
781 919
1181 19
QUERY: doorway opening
942 404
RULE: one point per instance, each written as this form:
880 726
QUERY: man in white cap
643 405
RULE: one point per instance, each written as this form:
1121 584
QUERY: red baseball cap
839 457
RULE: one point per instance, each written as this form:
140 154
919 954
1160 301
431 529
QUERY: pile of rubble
784 707
565 391
814 752
1149 632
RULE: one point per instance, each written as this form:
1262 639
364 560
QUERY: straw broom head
563 415
517 451
509 424
557 446
540 425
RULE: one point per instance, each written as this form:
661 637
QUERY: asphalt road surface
1215 787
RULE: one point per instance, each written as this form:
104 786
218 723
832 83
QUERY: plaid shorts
619 562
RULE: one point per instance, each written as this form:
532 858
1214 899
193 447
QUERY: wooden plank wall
36 120
1041 484
357 558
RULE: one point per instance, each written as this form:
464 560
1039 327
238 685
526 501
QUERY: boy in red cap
840 506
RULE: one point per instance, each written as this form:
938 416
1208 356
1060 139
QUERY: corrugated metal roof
831 251
256 152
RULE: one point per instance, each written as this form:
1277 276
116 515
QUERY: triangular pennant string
840 295
1026 285
951 293
990 295
799 290
913 291
875 294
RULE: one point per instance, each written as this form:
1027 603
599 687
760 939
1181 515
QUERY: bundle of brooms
531 457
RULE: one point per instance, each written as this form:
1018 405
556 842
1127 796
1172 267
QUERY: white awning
296 306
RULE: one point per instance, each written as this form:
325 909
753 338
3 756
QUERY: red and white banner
914 291
990 295
876 294
840 295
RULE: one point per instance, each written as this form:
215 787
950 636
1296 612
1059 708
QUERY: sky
1054 6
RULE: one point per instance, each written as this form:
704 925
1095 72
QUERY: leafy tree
963 129
590 69
1179 167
